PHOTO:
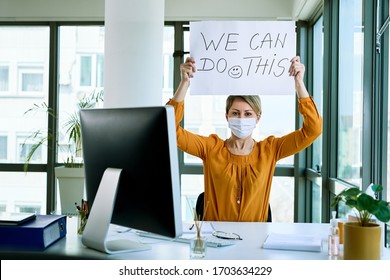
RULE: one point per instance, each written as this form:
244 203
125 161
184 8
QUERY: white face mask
242 127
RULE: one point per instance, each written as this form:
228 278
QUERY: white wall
33 10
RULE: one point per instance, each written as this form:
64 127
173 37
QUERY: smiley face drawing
235 72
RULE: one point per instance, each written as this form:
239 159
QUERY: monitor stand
96 229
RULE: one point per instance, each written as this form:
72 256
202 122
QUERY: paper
242 57
295 242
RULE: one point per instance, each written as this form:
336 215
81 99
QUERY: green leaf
382 211
353 192
377 188
366 202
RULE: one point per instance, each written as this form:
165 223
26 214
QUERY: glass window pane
24 67
85 70
4 78
22 191
31 79
191 187
282 200
24 77
168 73
318 64
81 74
350 103
3 147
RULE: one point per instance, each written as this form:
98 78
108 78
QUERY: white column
133 53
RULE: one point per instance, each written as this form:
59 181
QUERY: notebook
295 242
13 218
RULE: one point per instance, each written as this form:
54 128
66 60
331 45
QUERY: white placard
242 57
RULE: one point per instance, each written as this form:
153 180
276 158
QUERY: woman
238 171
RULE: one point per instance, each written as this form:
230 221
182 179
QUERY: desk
250 248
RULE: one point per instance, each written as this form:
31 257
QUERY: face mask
242 127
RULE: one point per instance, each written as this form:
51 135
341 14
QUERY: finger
292 68
296 68
186 71
294 61
189 69
190 64
296 58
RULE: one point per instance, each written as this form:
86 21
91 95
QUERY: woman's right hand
187 69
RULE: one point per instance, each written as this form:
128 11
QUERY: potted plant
70 175
362 238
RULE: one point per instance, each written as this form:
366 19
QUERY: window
31 79
168 63
85 70
99 70
25 147
3 147
81 72
350 102
24 58
91 70
28 208
20 189
4 78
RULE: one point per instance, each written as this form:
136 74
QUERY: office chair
200 206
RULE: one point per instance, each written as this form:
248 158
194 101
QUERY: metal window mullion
330 86
52 121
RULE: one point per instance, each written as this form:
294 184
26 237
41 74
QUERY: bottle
334 236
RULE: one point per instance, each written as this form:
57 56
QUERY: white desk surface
250 248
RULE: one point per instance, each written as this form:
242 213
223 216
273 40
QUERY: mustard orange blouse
237 188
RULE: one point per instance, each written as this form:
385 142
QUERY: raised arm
297 69
187 70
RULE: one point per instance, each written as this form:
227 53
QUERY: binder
37 234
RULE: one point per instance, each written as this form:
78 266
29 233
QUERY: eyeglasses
226 235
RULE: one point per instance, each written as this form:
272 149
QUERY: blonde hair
253 101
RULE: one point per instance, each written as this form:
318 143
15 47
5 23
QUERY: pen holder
198 247
81 221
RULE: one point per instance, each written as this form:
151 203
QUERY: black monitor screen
141 142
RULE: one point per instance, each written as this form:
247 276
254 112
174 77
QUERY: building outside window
4 78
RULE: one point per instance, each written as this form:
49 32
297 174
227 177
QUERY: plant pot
71 188
362 243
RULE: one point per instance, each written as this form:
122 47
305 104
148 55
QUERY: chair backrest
200 206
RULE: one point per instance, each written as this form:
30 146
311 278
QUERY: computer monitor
131 174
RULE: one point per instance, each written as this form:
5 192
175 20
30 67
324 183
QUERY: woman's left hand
297 69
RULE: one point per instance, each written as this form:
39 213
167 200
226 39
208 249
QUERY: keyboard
211 240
